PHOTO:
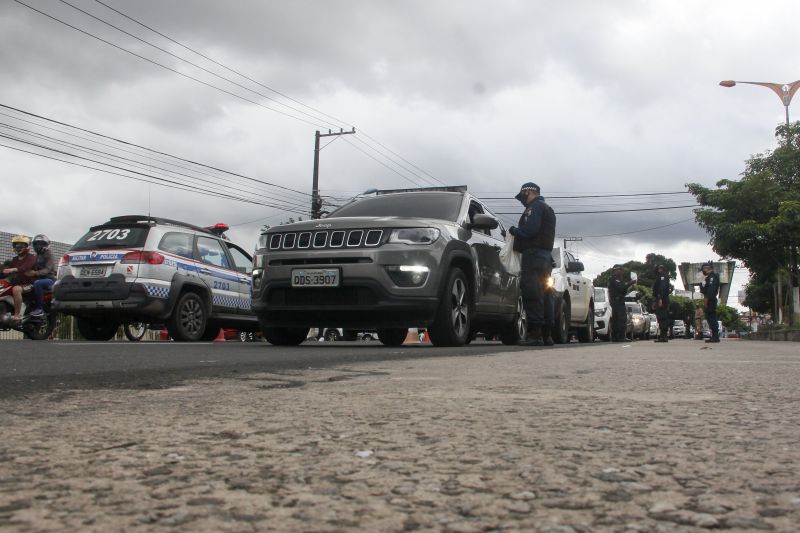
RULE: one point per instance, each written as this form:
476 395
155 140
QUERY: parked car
678 328
653 324
602 313
640 321
573 297
143 269
424 258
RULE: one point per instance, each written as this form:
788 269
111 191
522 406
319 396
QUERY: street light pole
785 92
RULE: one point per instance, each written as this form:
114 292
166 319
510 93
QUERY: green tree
729 317
757 219
645 275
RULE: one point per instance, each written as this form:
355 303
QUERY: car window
177 243
243 263
634 308
211 252
104 238
599 295
435 205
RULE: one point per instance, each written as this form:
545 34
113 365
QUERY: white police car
144 269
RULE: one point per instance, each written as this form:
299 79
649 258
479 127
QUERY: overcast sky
580 97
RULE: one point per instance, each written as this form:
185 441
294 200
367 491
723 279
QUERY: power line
151 150
615 210
589 195
639 230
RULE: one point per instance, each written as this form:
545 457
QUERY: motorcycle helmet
40 243
21 243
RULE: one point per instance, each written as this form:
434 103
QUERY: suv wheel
561 328
134 331
451 327
392 336
518 329
97 330
188 319
285 336
586 331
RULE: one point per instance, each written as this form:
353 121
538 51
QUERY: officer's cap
708 264
529 186
618 267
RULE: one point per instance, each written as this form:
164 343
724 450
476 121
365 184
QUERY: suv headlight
599 312
414 236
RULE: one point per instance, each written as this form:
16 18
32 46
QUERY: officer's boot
534 337
547 336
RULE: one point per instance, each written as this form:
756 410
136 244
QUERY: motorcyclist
44 271
17 269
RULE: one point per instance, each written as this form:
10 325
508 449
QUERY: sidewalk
640 437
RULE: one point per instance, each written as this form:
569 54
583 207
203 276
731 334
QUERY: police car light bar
453 188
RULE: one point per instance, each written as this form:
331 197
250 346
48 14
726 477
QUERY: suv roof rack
132 219
448 188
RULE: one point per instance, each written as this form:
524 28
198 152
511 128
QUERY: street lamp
784 91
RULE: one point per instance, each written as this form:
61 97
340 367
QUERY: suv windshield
599 295
438 205
112 237
634 308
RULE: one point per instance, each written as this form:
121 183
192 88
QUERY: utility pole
316 201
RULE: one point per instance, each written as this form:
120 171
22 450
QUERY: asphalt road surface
29 367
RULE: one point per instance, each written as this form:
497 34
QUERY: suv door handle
205 271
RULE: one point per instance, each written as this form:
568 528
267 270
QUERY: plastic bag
510 259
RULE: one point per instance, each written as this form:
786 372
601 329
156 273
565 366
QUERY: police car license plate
315 277
93 272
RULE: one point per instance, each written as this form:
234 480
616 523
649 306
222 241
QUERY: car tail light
64 260
140 257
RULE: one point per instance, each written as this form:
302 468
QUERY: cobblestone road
646 437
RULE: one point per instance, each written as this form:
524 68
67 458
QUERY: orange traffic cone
220 336
412 337
426 338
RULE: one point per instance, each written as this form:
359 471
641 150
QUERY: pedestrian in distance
617 289
661 291
710 289
533 238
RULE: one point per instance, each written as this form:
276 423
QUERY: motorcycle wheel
134 331
44 329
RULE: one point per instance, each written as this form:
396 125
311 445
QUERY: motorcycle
33 327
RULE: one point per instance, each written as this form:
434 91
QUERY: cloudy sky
582 97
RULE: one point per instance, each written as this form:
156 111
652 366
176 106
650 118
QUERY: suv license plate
315 277
93 272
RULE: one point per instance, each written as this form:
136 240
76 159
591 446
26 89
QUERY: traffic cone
412 337
220 336
426 339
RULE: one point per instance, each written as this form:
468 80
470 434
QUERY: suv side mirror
483 221
574 267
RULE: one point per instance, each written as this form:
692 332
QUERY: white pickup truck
573 296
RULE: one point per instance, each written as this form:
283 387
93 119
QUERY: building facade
7 252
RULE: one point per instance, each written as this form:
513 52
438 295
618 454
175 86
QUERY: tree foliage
756 219
645 274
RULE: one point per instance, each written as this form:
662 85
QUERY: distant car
678 329
639 320
602 313
653 324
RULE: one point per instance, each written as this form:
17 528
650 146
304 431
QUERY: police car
154 270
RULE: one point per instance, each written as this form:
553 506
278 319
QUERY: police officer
710 289
661 290
617 289
534 237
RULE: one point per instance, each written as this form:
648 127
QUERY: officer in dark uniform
710 289
661 290
617 289
533 238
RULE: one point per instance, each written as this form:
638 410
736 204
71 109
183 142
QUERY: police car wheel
188 319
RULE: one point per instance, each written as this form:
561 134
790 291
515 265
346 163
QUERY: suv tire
285 336
586 331
392 336
97 330
518 328
451 327
561 326
187 323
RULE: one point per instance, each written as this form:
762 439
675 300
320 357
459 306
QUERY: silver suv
154 270
425 258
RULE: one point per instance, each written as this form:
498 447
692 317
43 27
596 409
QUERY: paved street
247 437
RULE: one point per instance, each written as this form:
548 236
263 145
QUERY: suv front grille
355 238
329 296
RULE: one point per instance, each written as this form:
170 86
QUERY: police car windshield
437 205
111 237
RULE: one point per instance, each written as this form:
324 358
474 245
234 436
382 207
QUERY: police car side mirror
483 221
574 267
